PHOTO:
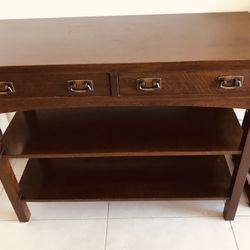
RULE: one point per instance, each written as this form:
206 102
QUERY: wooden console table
126 108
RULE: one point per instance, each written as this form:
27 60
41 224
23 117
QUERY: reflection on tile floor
165 209
56 210
53 235
241 226
170 233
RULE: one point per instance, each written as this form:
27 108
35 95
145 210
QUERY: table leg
12 189
247 184
242 164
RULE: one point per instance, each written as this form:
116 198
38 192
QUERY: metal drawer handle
230 82
149 84
81 86
6 88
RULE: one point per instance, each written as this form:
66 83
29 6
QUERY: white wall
5 120
63 8
14 9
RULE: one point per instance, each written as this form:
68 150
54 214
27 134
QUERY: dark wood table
126 108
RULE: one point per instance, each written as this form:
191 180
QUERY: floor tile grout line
165 217
106 232
44 220
127 218
234 235
120 218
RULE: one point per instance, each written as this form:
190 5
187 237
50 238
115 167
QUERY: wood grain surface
127 131
126 178
126 39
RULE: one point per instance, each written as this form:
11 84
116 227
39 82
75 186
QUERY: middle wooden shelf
123 131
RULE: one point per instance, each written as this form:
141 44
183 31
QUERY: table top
126 39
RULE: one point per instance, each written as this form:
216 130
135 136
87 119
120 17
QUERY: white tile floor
123 225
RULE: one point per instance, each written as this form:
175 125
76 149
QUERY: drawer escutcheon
6 88
230 82
149 84
81 86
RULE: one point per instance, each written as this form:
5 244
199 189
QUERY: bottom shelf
126 178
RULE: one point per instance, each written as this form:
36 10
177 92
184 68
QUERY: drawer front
54 84
177 83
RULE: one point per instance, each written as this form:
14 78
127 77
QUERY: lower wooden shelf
121 178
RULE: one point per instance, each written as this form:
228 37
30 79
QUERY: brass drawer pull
6 88
81 86
230 82
149 84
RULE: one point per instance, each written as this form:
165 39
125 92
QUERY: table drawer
44 84
226 82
